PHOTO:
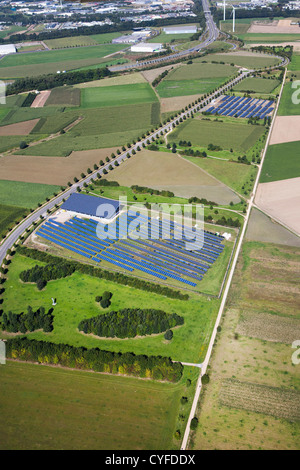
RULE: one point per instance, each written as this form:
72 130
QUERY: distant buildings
187 29
146 47
7 49
133 38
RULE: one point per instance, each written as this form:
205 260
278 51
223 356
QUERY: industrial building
133 38
146 47
7 49
186 29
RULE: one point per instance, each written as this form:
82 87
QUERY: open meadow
51 408
282 162
256 85
27 195
252 400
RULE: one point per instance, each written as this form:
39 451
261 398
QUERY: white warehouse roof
146 47
180 29
7 49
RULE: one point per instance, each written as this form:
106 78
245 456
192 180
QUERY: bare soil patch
176 103
281 200
286 129
151 75
20 128
50 170
275 27
41 99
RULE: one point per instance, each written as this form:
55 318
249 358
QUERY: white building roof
7 49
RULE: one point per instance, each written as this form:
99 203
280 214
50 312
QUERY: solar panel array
161 258
235 106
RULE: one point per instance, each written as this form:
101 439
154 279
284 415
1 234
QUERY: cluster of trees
42 274
214 147
153 367
227 222
28 100
286 51
45 82
130 322
144 190
31 321
194 153
104 299
103 274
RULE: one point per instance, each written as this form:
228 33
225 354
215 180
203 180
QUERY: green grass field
235 175
249 38
173 88
73 41
44 407
257 85
76 300
100 128
289 103
8 142
253 62
198 71
8 215
118 95
27 195
295 63
282 162
238 136
39 63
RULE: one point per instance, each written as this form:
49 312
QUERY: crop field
96 129
295 63
162 170
118 95
242 59
252 400
261 399
8 142
256 85
165 38
64 96
44 407
8 215
14 66
76 300
26 195
174 88
239 137
289 106
128 79
249 38
198 71
75 41
281 162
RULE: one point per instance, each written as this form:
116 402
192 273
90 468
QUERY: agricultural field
168 171
118 95
64 96
100 128
165 38
238 136
193 79
252 400
242 59
294 65
51 408
289 105
25 195
73 41
256 85
8 215
281 162
39 63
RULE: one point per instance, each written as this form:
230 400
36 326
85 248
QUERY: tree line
152 367
42 274
144 190
30 321
52 80
103 274
130 322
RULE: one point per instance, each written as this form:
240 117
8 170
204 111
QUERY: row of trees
52 80
103 274
130 322
153 367
31 321
144 190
